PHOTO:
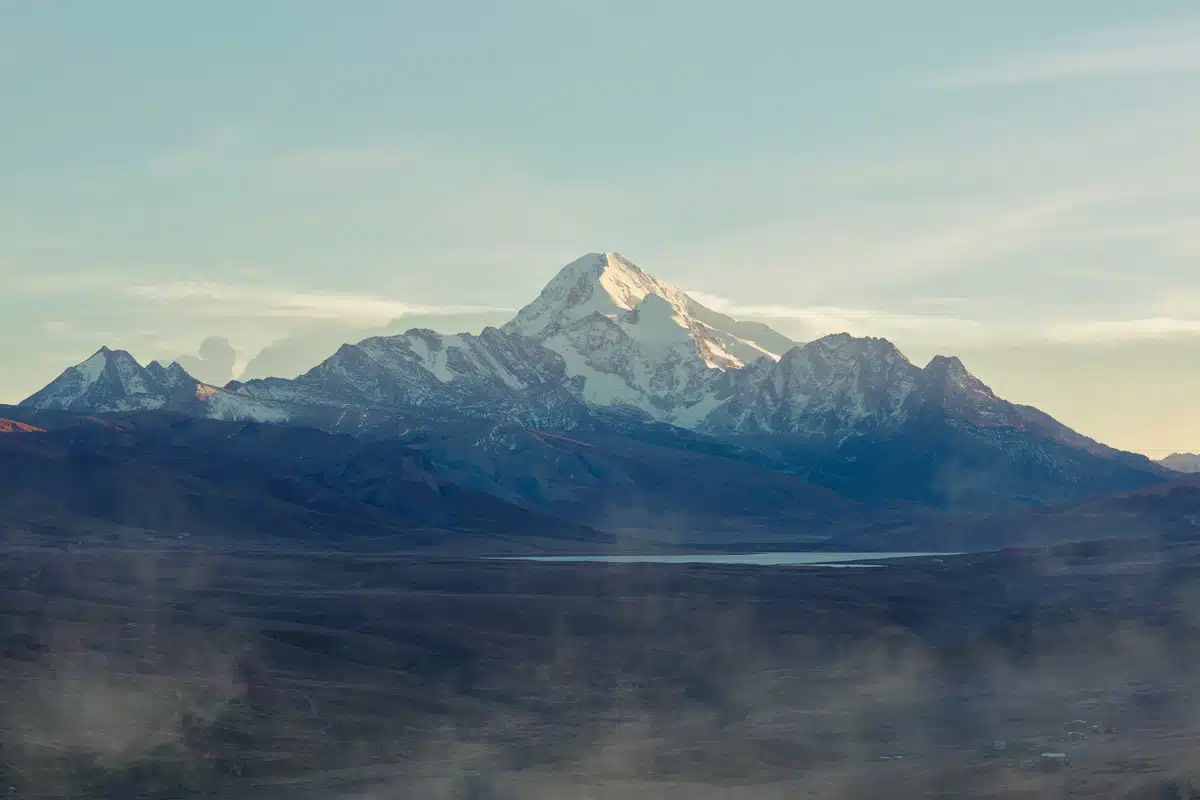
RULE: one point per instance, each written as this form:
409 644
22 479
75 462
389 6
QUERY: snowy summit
638 343
603 335
113 381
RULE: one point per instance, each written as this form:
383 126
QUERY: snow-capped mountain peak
612 286
109 380
636 342
602 333
598 283
112 381
605 345
89 371
833 386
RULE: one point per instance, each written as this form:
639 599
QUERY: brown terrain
165 673
10 426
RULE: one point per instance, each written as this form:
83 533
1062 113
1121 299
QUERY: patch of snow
657 328
432 353
742 350
717 357
130 375
691 416
91 370
600 388
227 406
599 283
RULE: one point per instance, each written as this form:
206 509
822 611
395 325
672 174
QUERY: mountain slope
678 490
612 286
857 416
493 375
833 387
295 354
252 484
112 380
1182 462
636 342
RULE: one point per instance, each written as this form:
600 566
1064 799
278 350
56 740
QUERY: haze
1014 185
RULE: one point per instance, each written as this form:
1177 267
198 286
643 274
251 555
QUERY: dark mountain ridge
251 483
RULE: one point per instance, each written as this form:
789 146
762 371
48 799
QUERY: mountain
841 386
635 342
603 334
1182 462
113 381
249 485
296 353
607 349
678 489
833 387
492 375
857 416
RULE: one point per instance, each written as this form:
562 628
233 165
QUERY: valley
168 671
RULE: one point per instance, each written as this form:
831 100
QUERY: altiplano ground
160 673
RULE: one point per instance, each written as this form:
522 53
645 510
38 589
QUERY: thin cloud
334 161
222 299
712 301
813 321
826 315
1113 331
886 244
1154 49
29 282
204 151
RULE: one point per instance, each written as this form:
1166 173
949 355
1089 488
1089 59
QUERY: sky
1015 183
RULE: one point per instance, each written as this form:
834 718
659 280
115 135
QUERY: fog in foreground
168 673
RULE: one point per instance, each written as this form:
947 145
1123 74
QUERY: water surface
755 559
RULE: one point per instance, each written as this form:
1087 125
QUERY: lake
755 559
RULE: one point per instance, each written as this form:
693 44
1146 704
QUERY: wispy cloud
246 301
713 301
815 321
29 282
210 148
835 317
946 331
1153 49
883 243
1122 330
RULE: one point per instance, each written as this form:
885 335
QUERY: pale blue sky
1018 183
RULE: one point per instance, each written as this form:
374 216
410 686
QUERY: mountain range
613 391
162 475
